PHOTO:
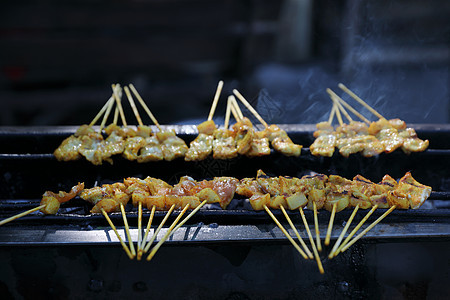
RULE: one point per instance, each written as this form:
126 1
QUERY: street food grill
371 169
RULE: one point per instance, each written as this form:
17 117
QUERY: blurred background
59 58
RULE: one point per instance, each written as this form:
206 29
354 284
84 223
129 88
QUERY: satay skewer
332 114
163 239
147 230
285 232
106 115
117 96
127 230
172 231
138 250
124 246
133 106
250 108
351 109
330 225
216 100
313 245
142 102
7 220
237 108
368 228
341 108
227 113
352 233
155 234
341 236
101 112
316 226
362 102
305 247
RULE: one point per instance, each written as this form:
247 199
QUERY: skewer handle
330 225
368 228
216 100
133 106
285 232
308 252
142 102
361 101
250 108
155 234
166 236
341 236
21 214
356 229
316 254
124 246
127 230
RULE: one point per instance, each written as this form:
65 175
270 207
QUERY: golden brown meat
409 193
224 144
172 146
281 142
53 201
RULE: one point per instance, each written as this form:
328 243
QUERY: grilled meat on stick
52 201
325 191
224 143
325 141
202 146
289 192
393 133
278 138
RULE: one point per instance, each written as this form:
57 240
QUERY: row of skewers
142 145
332 193
368 138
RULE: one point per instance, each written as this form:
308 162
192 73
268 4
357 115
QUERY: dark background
59 58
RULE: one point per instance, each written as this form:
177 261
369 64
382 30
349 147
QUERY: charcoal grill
29 168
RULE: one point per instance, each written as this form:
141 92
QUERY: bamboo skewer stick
305 247
351 109
250 108
316 254
124 246
21 214
368 228
189 216
341 236
164 238
332 114
147 110
227 113
147 230
127 230
133 106
338 113
101 112
361 101
285 232
334 97
216 99
330 225
170 232
316 225
237 108
352 233
116 115
118 96
105 117
155 234
138 244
